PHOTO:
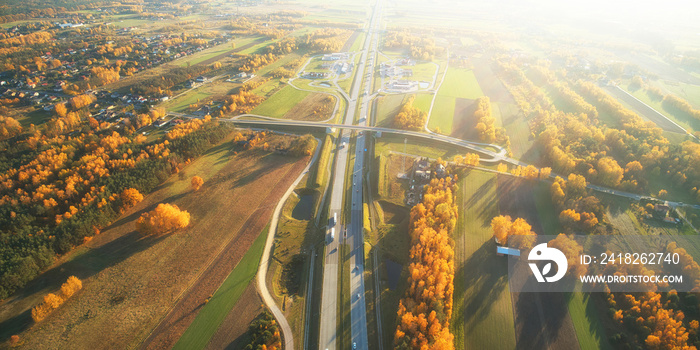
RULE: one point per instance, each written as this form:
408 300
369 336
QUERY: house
201 79
423 174
662 210
440 170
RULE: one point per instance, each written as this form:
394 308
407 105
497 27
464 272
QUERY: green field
387 107
682 119
589 330
357 45
280 103
689 92
423 101
443 114
213 313
189 98
461 83
483 312
214 51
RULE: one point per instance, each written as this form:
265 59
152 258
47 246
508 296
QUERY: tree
500 225
503 227
130 197
72 285
61 109
569 216
165 218
197 183
572 250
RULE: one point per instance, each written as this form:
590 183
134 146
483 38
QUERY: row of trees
53 301
488 132
426 308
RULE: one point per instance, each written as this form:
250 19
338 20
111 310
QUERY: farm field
216 51
482 297
119 259
442 117
506 111
460 82
541 319
212 314
689 92
280 102
388 107
680 118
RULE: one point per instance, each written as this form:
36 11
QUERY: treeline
419 47
410 117
654 320
426 308
488 132
68 188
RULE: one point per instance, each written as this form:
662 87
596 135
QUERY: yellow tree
131 197
500 225
197 183
164 218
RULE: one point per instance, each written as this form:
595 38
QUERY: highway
355 239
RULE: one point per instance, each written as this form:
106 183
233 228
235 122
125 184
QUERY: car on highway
354 345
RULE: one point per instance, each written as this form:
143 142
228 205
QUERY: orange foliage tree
197 183
130 197
164 218
504 227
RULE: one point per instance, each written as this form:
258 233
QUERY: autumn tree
504 227
164 218
572 250
197 183
410 117
130 197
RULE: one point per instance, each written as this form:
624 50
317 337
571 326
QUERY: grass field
387 108
690 93
281 102
213 313
423 101
214 51
482 301
443 114
683 119
589 329
461 83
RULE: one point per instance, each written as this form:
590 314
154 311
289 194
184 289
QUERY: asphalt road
355 240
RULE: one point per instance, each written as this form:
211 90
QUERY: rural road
286 331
